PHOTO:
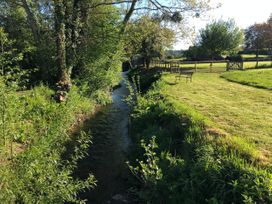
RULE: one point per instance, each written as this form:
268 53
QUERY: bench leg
177 78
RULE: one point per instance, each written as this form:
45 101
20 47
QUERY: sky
244 12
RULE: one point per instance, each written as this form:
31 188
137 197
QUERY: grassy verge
35 137
184 158
256 78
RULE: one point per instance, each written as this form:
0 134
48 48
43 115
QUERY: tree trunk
257 57
147 62
32 21
211 64
75 30
128 15
64 84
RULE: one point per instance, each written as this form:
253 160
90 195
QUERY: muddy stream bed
108 151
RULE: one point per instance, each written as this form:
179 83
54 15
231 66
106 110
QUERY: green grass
256 78
253 56
184 157
251 65
238 110
34 136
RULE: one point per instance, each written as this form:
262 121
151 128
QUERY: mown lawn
253 56
256 78
239 110
252 65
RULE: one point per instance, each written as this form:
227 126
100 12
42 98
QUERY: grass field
256 78
253 56
239 110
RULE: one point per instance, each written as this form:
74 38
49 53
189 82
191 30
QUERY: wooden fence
196 66
209 66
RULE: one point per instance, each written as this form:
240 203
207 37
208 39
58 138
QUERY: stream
108 151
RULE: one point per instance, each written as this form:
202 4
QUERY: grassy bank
256 78
238 110
36 163
184 157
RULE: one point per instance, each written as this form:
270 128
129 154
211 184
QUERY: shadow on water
108 151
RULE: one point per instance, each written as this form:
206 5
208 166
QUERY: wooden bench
187 75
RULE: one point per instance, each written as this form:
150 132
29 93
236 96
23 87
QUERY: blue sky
244 12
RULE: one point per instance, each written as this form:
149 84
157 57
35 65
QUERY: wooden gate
235 65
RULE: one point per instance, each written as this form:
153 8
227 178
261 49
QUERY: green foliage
10 60
151 172
191 166
103 55
36 129
148 38
221 38
148 172
143 78
39 53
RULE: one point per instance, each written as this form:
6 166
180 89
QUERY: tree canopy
221 38
148 38
61 39
259 36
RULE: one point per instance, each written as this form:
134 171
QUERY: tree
29 24
258 37
148 38
167 10
196 52
10 59
43 27
255 38
269 21
221 38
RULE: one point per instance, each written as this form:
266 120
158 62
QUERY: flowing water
108 152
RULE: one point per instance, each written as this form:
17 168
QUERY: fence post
195 67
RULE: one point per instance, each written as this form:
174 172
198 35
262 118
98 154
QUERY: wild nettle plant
148 171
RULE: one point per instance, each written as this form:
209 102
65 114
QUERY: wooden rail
171 66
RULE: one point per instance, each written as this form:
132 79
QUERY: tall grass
36 128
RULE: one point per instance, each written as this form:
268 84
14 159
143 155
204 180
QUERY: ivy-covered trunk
64 83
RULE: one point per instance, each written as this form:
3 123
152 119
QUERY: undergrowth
34 134
176 160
